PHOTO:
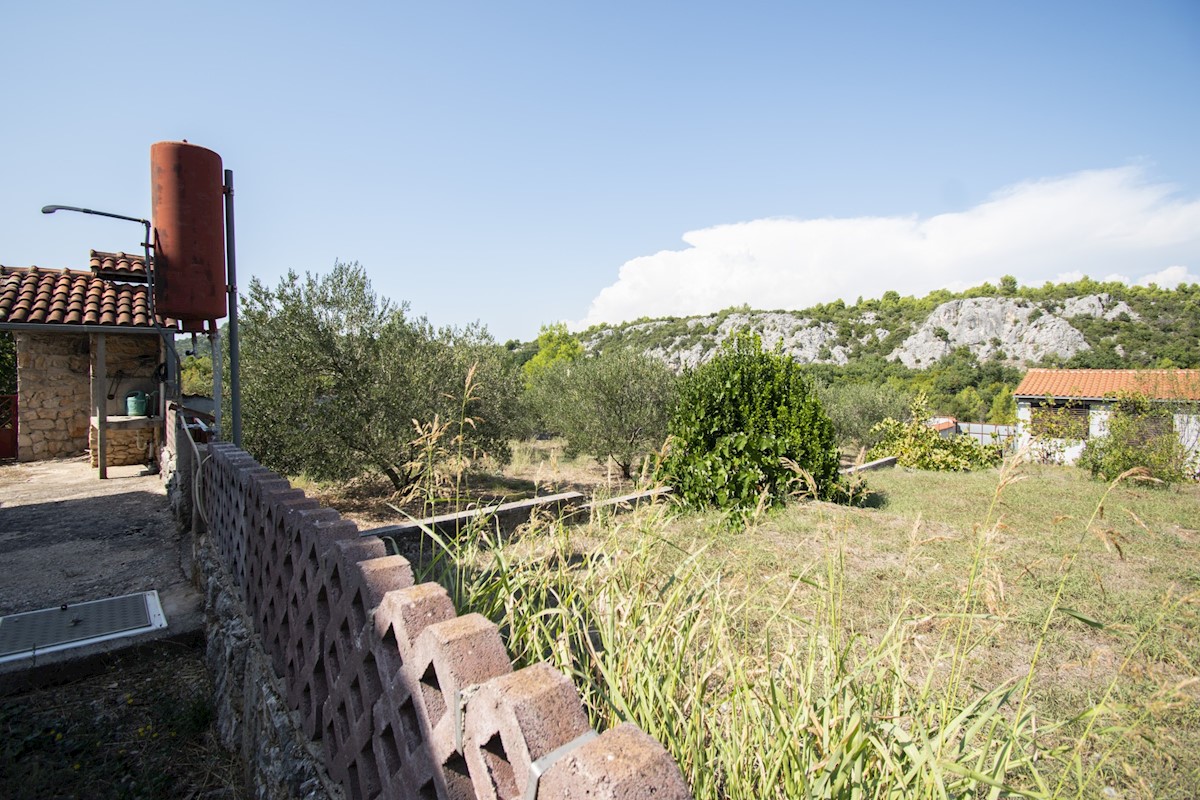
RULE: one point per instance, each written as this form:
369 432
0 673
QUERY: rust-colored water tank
186 188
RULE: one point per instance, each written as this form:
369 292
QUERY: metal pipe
99 376
235 372
168 336
52 209
214 336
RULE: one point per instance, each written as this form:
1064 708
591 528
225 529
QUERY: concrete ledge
879 463
507 517
504 518
627 502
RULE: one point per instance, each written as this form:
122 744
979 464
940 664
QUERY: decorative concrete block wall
407 698
53 394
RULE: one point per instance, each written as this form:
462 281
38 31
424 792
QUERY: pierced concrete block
514 720
449 657
622 764
405 613
310 609
400 751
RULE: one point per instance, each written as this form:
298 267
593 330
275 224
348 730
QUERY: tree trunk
399 482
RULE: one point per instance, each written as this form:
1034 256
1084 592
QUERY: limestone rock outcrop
1016 330
990 326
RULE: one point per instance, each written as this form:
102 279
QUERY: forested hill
1080 324
966 352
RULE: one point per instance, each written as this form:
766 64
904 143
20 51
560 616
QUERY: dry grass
544 464
1057 612
1125 561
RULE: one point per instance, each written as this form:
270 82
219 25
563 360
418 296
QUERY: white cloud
1110 223
1169 278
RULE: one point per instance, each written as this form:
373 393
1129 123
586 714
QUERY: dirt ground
67 537
123 722
537 467
143 727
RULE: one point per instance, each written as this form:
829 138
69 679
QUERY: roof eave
59 327
1112 398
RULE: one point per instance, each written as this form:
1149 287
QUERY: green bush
746 426
916 445
1140 434
196 377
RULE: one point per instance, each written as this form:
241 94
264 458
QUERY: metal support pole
99 394
235 371
214 336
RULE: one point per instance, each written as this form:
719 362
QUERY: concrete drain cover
53 629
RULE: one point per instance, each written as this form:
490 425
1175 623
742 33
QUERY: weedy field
1016 632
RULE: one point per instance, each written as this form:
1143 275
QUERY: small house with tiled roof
85 340
1059 410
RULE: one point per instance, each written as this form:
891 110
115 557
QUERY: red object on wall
8 426
186 198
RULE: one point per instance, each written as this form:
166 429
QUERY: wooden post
100 400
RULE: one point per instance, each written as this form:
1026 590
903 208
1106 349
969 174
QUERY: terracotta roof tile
1095 384
121 266
70 297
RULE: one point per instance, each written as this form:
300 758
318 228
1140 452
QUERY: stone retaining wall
253 718
405 698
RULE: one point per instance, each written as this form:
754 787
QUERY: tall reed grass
797 706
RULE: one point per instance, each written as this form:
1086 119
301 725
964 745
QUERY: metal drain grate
52 629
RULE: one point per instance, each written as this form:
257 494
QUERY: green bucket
135 404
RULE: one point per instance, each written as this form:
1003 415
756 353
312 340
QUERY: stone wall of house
53 394
130 362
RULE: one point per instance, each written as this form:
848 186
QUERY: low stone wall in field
399 695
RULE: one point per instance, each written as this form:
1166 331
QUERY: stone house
84 341
1059 410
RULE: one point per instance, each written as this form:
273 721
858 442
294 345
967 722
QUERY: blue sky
522 163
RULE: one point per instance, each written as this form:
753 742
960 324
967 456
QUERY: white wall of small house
1063 451
1188 428
1024 416
1098 414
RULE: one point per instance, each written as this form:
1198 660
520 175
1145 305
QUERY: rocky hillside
1084 324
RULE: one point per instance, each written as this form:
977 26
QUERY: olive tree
334 379
856 408
613 405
